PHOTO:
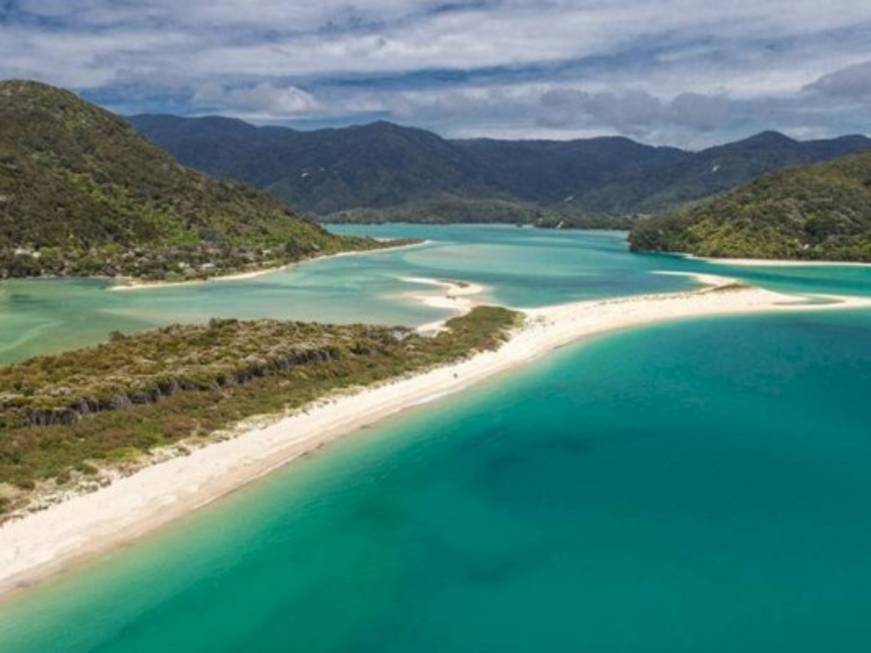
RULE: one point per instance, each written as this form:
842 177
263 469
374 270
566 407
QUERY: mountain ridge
401 171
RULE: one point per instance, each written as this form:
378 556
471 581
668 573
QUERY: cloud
852 83
628 110
663 70
704 113
262 98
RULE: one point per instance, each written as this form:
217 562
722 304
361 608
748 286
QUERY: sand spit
43 543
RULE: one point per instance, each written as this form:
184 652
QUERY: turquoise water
535 267
698 486
639 493
523 267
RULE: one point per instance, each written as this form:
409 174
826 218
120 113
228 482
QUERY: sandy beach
459 297
44 543
126 283
784 263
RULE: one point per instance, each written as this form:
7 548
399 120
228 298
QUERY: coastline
459 297
48 542
771 262
127 283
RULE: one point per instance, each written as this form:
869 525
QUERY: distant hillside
820 211
392 172
83 193
378 165
724 167
572 174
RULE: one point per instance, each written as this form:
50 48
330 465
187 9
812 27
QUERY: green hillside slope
820 211
82 193
383 171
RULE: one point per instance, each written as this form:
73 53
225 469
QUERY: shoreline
124 284
459 297
775 262
44 544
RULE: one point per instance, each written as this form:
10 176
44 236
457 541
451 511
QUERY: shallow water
698 486
535 267
524 267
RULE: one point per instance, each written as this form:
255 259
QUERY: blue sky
683 72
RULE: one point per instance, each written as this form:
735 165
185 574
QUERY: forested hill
403 172
820 211
81 192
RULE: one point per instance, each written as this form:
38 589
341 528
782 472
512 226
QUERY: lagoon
692 486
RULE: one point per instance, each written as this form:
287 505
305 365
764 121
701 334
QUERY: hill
719 169
388 172
820 211
375 166
82 193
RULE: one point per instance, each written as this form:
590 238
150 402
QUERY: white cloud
649 68
271 37
262 98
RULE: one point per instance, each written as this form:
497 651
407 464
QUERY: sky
690 73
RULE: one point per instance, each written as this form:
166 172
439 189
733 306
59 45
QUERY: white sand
768 262
49 541
128 283
459 297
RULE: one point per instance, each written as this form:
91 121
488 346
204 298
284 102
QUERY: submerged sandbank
457 296
46 542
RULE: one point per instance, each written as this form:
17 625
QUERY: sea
700 485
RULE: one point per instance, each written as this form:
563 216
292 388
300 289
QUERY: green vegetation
443 210
452 210
809 212
570 220
387 172
64 416
81 193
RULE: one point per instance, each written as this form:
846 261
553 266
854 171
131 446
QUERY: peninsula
159 435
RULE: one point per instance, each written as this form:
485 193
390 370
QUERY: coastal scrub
65 416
